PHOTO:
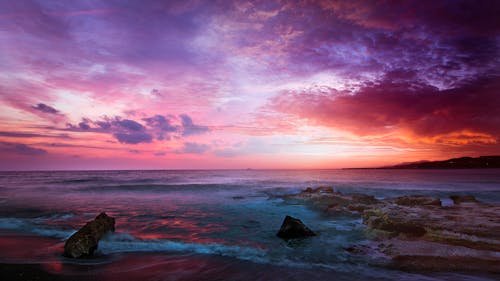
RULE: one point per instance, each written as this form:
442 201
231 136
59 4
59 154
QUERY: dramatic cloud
392 79
470 112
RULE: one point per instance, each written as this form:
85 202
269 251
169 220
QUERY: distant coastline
481 162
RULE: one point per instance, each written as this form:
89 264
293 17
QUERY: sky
246 84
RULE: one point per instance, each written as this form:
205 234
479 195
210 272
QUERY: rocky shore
417 232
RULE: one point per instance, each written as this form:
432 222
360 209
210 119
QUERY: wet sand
25 257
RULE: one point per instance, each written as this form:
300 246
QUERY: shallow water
227 219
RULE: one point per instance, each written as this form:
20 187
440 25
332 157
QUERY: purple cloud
32 135
45 108
133 137
130 125
21 148
194 148
130 131
162 125
124 130
83 126
189 128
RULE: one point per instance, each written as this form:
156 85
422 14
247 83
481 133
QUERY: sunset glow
246 84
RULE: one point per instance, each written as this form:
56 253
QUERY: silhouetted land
454 163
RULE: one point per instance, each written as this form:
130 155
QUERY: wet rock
326 200
330 201
471 225
294 228
416 232
417 200
321 189
444 263
308 190
357 207
421 255
457 199
393 222
425 255
84 242
360 198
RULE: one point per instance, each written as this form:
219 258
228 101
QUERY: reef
417 232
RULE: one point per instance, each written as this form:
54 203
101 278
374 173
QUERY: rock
360 198
294 228
457 199
417 200
357 207
471 225
421 255
84 242
321 189
394 222
445 263
327 200
308 190
421 233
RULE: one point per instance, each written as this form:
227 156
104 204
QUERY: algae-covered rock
392 222
421 233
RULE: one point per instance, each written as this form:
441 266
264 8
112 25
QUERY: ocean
209 224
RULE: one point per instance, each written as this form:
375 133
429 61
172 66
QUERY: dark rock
84 242
417 200
308 190
321 189
457 199
325 199
294 228
364 199
357 208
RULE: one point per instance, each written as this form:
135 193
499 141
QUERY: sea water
218 224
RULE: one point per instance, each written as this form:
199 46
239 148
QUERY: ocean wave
123 242
30 226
